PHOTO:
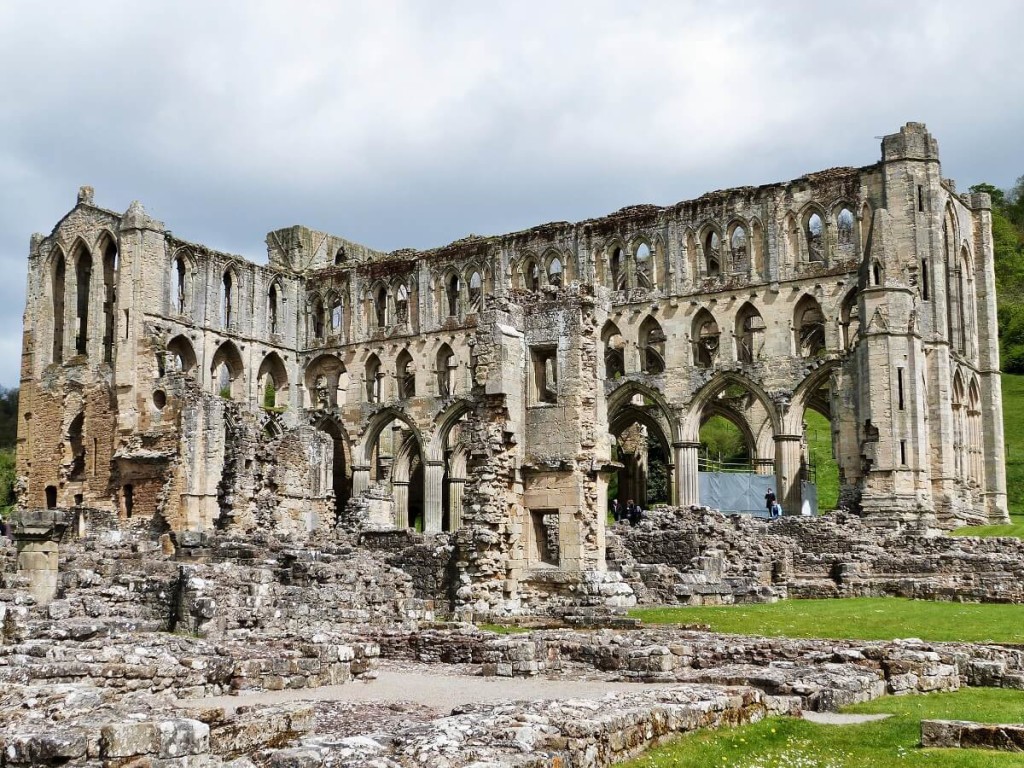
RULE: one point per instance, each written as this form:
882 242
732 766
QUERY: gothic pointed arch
727 383
750 330
405 374
651 339
227 372
272 388
181 357
58 282
704 338
614 351
326 380
808 327
81 257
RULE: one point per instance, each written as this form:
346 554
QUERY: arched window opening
965 308
531 275
445 371
380 307
749 334
959 428
712 254
844 232
705 339
809 324
373 378
452 289
976 460
475 292
337 315
181 357
618 271
272 383
179 286
58 309
76 442
652 347
339 256
51 497
876 273
850 320
226 372
814 232
644 267
83 273
756 248
227 302
316 317
326 382
406 372
614 351
272 310
739 250
555 272
402 305
109 299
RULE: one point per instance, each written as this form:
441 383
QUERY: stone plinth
37 535
969 735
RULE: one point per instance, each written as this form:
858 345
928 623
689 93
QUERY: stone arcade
492 387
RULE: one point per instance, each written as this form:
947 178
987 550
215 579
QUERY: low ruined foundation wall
698 556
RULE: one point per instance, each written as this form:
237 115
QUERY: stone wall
697 556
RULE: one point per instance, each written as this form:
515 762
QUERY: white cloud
412 123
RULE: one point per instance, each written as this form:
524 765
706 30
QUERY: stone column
360 479
788 450
455 486
686 487
400 489
37 535
433 475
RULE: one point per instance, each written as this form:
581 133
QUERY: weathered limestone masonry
481 388
702 557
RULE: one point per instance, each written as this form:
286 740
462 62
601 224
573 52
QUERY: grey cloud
404 123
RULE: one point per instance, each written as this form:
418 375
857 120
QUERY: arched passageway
340 482
643 448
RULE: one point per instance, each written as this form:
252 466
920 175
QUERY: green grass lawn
867 618
1013 430
819 449
794 743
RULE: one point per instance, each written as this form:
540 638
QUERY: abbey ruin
238 479
493 387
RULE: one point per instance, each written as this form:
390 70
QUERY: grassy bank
793 743
855 619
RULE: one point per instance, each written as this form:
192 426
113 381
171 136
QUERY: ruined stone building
494 387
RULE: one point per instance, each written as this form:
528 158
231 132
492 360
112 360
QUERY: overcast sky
416 123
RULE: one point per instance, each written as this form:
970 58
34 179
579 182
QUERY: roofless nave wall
483 385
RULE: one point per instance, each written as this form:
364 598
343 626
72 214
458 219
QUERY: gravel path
420 684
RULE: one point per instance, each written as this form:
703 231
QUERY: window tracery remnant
644 267
705 339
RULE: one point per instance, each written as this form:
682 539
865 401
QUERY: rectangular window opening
925 288
899 387
903 452
543 539
920 197
545 374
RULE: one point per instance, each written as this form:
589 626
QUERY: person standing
769 502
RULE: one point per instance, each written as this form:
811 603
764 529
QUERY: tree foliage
1008 245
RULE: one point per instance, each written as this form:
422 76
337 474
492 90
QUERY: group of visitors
772 505
631 512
